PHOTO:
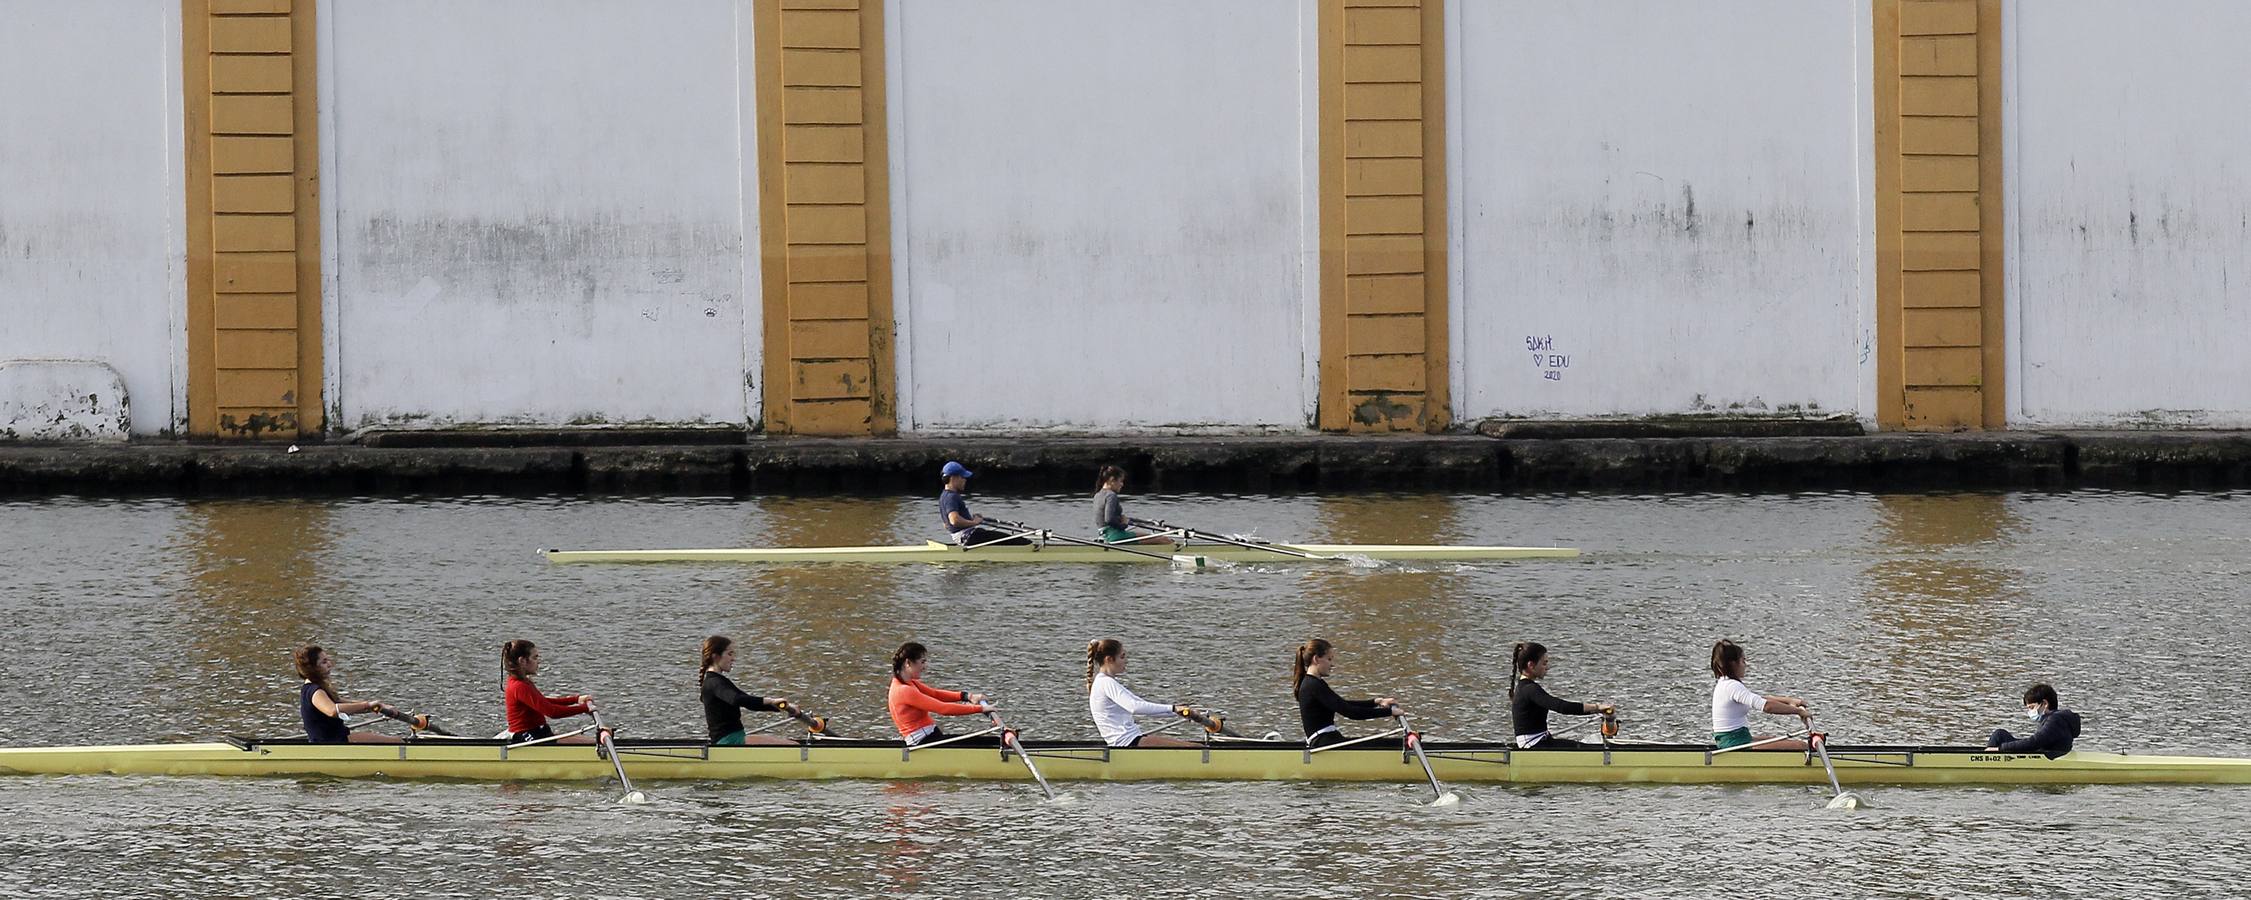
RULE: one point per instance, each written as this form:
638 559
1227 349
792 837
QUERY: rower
2051 738
1529 703
1318 705
323 709
1109 511
1114 706
913 703
961 524
528 709
1732 701
723 702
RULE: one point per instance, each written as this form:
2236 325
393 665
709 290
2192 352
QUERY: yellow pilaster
253 224
1383 363
824 216
1939 232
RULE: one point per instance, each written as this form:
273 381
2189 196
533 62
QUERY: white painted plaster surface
62 400
91 212
1105 206
1664 202
2129 190
539 212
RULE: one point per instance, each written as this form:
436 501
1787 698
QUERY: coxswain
1109 511
2052 737
528 709
1114 705
1318 706
723 702
1732 702
913 703
323 709
962 526
1529 703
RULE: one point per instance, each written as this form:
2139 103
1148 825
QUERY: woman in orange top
912 702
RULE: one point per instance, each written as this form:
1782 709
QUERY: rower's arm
731 695
1350 709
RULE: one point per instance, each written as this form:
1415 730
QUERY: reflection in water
1389 620
906 859
818 625
255 571
1944 614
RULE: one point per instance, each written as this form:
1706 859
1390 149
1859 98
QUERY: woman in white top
1114 706
1732 701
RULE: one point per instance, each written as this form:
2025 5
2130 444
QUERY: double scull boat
936 552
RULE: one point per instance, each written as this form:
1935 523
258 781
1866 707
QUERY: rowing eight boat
935 552
983 758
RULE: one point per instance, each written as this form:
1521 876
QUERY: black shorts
541 733
1324 739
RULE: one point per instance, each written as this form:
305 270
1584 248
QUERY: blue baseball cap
954 468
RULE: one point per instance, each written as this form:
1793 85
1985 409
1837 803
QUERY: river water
1904 618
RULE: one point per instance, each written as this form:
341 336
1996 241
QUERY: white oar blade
1847 801
1187 561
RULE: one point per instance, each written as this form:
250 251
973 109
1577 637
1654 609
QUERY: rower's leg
1148 741
764 740
1787 744
370 737
576 739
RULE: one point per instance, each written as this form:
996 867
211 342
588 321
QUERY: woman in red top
528 709
913 702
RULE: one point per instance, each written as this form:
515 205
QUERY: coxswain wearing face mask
2058 727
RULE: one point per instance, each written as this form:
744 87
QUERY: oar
1439 796
1224 539
1008 738
606 736
1213 722
1023 530
418 721
813 724
1820 742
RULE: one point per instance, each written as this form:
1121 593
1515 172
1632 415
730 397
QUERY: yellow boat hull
935 552
1254 761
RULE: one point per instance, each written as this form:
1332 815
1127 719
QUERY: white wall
91 216
1104 213
538 211
1672 196
2129 191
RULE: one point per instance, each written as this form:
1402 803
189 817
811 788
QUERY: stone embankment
721 462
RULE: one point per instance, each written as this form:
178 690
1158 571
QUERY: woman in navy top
323 709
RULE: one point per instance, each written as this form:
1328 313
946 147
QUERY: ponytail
1102 476
907 653
714 647
1726 656
1100 651
307 659
1306 652
512 655
1526 653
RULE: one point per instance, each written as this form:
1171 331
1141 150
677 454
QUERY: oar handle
416 721
813 724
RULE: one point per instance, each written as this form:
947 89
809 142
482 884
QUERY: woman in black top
1529 703
723 702
323 709
1318 705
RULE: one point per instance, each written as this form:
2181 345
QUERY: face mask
2033 714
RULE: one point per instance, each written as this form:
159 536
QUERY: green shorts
1736 738
1112 534
733 739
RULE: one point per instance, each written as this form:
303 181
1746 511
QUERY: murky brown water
1905 618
